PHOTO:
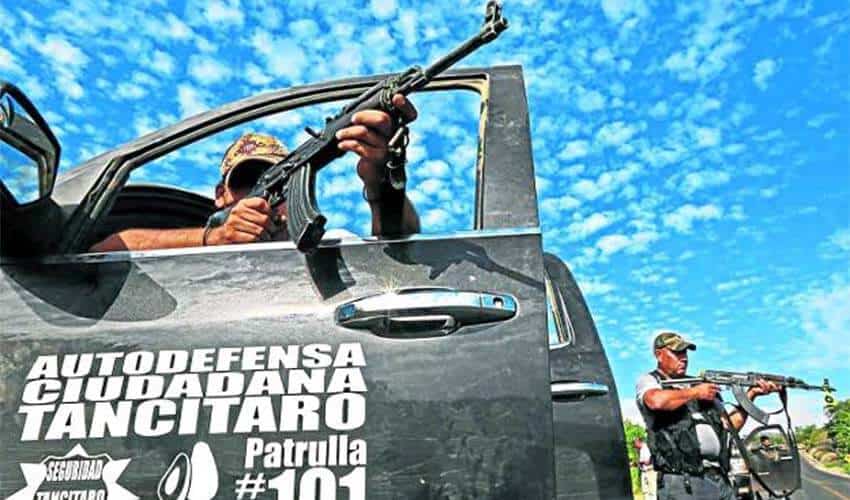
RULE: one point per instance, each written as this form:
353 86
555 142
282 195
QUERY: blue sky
691 157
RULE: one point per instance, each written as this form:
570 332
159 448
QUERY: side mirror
774 460
29 152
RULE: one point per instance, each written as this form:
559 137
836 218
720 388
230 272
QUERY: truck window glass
440 171
559 326
20 174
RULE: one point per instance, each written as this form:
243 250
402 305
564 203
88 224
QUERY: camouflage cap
251 146
673 341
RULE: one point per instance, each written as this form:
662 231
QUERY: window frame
100 199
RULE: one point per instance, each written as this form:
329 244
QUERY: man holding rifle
687 434
252 218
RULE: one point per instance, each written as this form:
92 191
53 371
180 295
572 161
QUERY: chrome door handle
577 390
424 312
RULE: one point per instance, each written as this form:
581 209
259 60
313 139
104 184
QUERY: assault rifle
740 382
293 179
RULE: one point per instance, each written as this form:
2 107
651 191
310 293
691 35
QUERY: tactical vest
673 437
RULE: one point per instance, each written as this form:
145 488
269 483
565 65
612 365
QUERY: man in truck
251 219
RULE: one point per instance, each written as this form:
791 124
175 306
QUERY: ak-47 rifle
293 179
740 382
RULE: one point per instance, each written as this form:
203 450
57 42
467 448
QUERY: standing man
648 477
688 437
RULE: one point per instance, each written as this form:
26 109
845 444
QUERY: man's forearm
409 218
668 399
150 239
738 418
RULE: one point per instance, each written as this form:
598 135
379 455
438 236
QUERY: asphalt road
819 485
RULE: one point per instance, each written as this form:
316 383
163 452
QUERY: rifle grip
219 217
306 225
748 406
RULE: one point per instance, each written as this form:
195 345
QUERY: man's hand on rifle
369 136
762 387
248 220
705 392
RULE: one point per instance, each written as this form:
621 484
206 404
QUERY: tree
838 427
633 431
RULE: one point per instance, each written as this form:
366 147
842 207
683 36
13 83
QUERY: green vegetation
633 431
830 444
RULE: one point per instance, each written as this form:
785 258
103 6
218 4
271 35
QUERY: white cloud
682 219
701 105
837 245
555 207
67 81
431 187
407 26
659 110
283 56
612 243
824 314
707 137
434 168
191 100
383 9
619 10
607 182
695 181
588 101
349 59
769 192
763 71
218 13
61 51
728 286
208 70
616 133
8 62
304 28
573 170
162 63
840 239
255 75
661 156
760 169
819 120
602 55
436 218
129 90
172 28
584 227
595 286
574 149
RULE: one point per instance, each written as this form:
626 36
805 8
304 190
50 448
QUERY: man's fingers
244 226
255 216
363 134
257 203
376 120
364 151
408 111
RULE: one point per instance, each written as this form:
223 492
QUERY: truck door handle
570 391
424 312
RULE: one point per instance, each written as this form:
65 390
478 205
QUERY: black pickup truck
444 365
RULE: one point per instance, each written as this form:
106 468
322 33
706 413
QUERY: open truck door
410 368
